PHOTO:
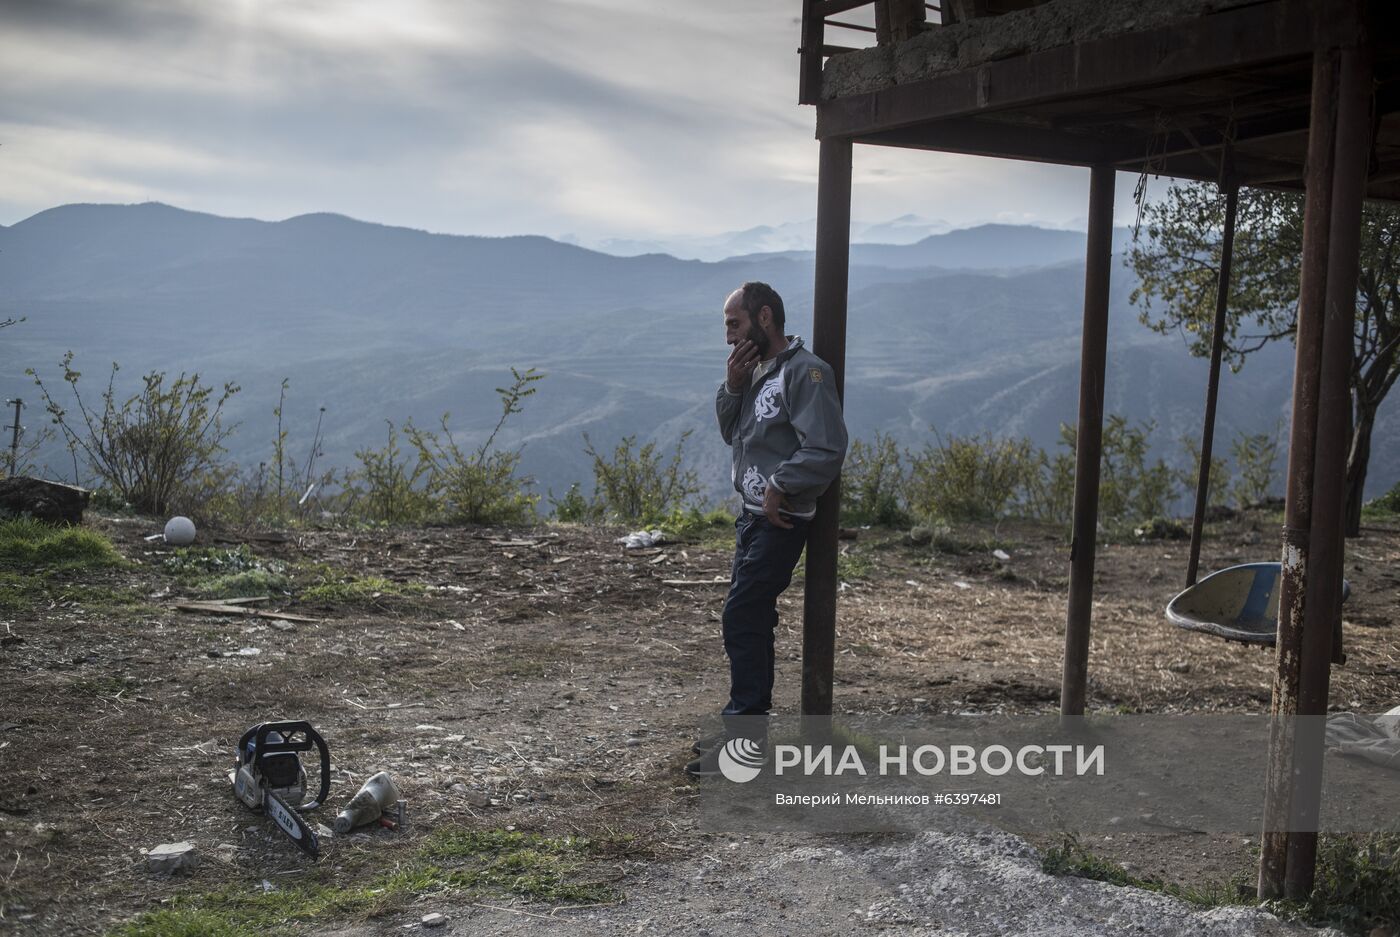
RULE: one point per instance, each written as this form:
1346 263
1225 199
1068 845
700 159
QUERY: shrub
1049 490
1189 477
1256 455
392 492
277 491
573 508
696 523
149 447
1358 882
639 485
480 486
1132 488
969 478
872 484
1388 503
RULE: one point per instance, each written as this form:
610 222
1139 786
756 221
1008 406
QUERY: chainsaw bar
292 823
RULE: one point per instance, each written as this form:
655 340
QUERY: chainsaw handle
289 730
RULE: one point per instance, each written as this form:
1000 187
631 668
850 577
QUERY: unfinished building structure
1283 93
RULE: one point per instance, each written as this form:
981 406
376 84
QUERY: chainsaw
270 777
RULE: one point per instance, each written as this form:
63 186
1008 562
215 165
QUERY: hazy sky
622 118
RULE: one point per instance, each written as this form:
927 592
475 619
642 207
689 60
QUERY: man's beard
759 339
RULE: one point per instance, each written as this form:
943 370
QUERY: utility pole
14 440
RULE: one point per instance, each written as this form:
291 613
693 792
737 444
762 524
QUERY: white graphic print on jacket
754 484
765 405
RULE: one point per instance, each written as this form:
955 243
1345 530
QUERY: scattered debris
377 795
1162 528
267 536
222 607
640 539
434 920
169 858
1001 555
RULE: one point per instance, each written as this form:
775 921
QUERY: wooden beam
997 138
987 137
1283 123
809 78
827 8
833 257
1222 42
1217 136
1146 110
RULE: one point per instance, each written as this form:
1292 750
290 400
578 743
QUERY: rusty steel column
1088 447
1323 604
1312 289
829 344
1217 348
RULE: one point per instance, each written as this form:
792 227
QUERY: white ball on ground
179 531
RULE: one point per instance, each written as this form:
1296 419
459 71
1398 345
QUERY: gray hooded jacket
785 429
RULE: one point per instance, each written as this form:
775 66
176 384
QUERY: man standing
779 412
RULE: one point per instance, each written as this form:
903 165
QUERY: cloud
601 117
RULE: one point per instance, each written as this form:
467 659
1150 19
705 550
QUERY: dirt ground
549 680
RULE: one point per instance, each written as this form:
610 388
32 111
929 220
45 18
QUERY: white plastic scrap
642 538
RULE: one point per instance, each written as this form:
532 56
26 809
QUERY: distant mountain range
792 236
965 331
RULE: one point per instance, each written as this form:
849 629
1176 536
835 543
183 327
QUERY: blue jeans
764 558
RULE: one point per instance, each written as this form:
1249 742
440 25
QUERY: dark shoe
707 765
704 744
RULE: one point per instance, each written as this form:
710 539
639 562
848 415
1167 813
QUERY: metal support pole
829 344
14 440
1324 595
1089 441
809 80
1312 293
1217 349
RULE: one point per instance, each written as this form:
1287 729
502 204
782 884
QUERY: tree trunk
1357 460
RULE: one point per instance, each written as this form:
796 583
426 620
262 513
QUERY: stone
434 920
168 858
51 502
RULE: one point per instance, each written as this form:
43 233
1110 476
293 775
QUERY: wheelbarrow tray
1239 603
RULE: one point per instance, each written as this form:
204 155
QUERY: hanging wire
1151 165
